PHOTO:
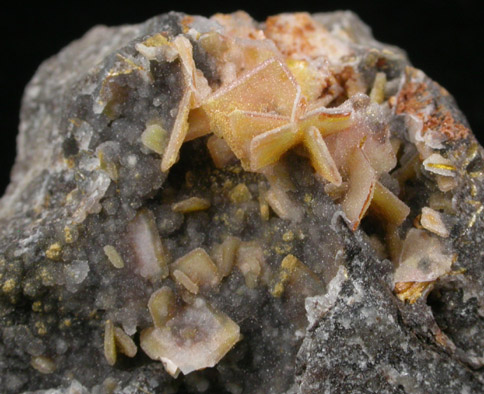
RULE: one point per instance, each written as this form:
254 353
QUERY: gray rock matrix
62 207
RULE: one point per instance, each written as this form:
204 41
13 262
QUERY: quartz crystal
229 206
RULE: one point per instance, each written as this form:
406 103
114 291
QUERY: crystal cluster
222 205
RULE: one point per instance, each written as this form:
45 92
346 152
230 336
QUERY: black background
443 39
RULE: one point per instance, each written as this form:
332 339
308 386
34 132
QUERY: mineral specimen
221 205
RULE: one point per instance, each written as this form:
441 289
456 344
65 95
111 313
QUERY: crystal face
233 206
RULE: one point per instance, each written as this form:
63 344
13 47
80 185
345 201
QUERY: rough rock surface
84 179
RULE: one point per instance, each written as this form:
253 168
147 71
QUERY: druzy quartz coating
223 205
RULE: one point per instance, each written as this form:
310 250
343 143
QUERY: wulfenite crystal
224 205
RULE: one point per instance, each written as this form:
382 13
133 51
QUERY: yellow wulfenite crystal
43 364
197 337
195 269
225 255
155 137
109 343
411 291
113 256
377 94
150 254
115 338
191 204
431 220
124 343
251 262
162 306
